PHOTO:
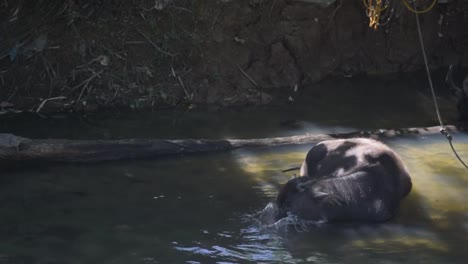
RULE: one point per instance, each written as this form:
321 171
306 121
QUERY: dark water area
201 209
334 105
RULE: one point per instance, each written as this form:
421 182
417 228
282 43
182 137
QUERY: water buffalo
345 180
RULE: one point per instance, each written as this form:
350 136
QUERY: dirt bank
94 54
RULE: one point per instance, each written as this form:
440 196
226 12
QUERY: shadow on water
121 212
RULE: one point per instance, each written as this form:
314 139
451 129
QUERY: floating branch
15 148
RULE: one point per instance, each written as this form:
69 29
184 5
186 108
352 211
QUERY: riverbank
85 56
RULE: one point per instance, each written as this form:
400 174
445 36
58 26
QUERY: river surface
201 209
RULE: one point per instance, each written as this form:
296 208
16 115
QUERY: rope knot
444 132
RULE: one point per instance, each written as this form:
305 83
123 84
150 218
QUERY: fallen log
16 148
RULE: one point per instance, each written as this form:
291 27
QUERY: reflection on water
201 209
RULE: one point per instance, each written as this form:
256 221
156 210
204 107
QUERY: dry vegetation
85 54
90 55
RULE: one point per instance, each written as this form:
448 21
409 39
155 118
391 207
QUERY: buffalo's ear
288 189
281 198
313 157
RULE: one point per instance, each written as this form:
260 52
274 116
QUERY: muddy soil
91 55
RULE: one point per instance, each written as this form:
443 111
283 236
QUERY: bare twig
246 75
181 8
13 94
86 84
47 100
1 77
332 15
47 63
215 19
336 10
189 96
135 42
86 81
272 6
154 45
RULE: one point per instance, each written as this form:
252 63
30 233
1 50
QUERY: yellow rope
410 8
374 11
383 9
376 7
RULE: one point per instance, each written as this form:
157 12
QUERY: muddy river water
201 209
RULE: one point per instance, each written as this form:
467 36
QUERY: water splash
266 219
